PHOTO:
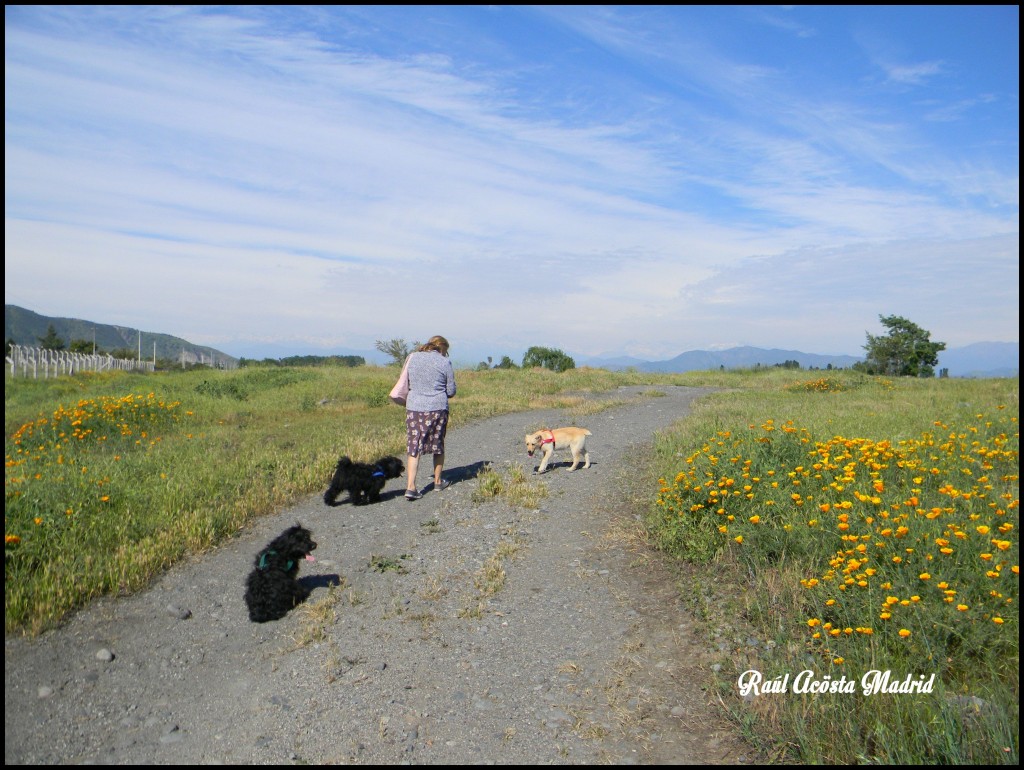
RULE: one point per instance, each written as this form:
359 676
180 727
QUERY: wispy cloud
913 73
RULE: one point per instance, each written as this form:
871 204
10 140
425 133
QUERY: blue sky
604 180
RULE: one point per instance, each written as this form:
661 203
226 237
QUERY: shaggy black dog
271 589
363 481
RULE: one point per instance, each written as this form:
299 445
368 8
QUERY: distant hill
983 359
277 351
24 327
734 358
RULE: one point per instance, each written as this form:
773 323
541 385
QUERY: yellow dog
548 440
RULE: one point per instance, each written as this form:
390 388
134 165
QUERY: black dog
363 481
271 589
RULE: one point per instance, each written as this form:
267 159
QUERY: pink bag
400 392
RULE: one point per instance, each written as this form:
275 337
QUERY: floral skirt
425 432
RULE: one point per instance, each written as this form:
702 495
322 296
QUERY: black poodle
271 589
363 481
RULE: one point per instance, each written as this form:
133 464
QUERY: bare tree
397 349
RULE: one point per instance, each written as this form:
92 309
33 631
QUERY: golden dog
548 440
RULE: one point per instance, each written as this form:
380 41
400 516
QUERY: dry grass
315 617
472 610
514 487
490 578
433 589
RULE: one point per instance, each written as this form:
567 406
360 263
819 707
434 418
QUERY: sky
602 180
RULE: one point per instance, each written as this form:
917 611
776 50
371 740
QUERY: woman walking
431 384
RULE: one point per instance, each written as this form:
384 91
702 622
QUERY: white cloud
227 175
912 74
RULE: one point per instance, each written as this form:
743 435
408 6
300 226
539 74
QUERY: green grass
849 523
111 478
514 486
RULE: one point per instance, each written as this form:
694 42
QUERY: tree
397 349
51 341
548 358
86 347
906 351
506 363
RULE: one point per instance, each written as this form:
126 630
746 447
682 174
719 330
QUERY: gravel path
582 656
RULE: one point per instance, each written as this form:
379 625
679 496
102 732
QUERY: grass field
848 523
855 525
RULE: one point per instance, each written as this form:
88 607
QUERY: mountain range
734 358
982 359
25 327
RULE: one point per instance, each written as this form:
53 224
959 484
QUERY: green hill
24 327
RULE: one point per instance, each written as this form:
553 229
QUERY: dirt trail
581 655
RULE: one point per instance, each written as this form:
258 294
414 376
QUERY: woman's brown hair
438 343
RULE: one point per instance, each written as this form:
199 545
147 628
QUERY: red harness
548 440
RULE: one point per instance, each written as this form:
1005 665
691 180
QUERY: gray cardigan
431 382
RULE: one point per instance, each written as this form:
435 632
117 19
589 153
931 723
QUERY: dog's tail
331 495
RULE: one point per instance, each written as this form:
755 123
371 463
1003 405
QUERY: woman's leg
412 435
411 464
442 431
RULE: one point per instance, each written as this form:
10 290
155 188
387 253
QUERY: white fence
38 362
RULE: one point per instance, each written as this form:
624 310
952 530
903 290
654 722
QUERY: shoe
413 494
445 483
